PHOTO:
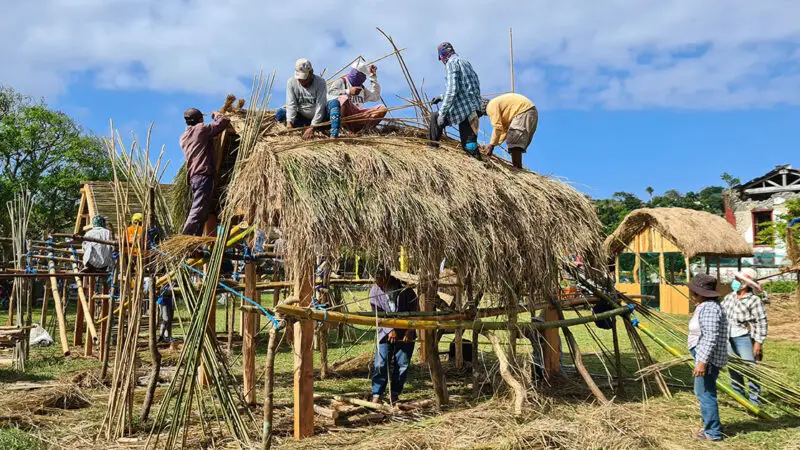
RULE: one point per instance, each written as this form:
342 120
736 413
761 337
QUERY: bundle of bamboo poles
19 210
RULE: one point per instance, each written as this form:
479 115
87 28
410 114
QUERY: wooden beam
88 348
772 190
551 353
432 344
303 352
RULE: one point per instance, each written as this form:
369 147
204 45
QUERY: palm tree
650 190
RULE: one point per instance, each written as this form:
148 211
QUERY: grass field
571 418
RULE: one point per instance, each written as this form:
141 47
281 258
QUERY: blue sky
667 94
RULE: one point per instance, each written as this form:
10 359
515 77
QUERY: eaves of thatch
377 193
695 233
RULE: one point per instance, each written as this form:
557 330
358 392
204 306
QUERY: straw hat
747 276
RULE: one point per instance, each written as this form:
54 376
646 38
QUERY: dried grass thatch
694 232
375 194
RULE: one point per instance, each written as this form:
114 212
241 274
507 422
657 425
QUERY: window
761 222
627 262
675 268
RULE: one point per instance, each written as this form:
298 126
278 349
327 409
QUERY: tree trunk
155 355
578 359
516 386
431 343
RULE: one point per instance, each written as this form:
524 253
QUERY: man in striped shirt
459 104
747 328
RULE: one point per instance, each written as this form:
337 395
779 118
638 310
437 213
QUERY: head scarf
445 51
99 221
356 77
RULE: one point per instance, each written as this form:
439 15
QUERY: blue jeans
333 113
705 389
742 346
402 352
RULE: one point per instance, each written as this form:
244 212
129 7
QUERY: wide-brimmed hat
747 276
704 286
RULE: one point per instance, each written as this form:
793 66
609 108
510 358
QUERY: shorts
522 128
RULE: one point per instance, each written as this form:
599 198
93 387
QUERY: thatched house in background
97 198
652 249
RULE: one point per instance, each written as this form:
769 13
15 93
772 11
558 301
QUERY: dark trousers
202 202
167 308
435 132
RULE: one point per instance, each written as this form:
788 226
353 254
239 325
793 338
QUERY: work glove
436 100
440 120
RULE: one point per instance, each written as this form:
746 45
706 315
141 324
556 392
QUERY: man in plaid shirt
747 329
460 103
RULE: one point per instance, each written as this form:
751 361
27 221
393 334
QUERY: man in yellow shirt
514 119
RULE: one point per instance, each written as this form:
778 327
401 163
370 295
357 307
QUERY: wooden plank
248 337
81 214
303 353
551 353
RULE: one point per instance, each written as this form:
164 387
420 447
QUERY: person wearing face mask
747 329
347 95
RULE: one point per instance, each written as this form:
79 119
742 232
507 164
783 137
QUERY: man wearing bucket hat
460 104
708 334
346 98
306 99
747 327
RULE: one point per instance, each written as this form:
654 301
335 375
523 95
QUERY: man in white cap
346 98
306 99
747 327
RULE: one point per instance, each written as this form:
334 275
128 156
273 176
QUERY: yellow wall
673 299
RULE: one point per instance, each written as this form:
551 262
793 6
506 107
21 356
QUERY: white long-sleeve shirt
342 87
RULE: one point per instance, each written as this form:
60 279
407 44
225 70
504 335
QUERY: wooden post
431 285
248 337
88 348
474 308
458 302
44 305
105 310
551 351
77 337
11 303
718 268
578 359
617 355
513 330
269 385
303 353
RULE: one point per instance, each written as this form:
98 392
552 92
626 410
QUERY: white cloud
614 54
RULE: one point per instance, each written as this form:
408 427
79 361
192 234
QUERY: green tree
649 190
730 180
47 152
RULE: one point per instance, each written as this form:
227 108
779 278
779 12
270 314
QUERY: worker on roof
395 345
346 98
134 234
514 119
460 102
197 143
96 255
306 99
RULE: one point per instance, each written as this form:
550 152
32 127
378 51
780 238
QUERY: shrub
780 287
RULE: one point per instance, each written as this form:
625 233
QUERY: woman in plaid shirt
708 336
747 329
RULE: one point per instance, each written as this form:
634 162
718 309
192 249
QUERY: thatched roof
99 200
378 193
694 232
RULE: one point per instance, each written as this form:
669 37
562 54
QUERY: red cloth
360 118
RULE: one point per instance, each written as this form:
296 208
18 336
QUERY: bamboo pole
508 377
577 358
617 356
44 306
458 341
720 385
511 53
155 355
84 305
337 317
62 325
88 348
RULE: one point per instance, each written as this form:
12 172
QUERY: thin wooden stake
511 53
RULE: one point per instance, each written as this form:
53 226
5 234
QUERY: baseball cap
302 69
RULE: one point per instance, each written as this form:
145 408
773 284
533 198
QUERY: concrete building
750 205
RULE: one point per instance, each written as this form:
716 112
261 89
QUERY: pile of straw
376 194
694 232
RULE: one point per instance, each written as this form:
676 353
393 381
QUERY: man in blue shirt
459 104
